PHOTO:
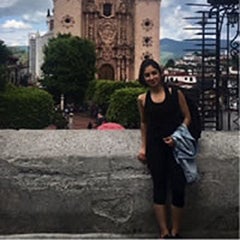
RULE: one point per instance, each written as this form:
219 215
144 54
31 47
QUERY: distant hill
19 48
20 52
169 49
174 49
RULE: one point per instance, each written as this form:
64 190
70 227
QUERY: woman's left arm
186 116
184 108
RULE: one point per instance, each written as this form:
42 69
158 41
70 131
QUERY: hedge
29 108
91 90
123 107
99 91
103 92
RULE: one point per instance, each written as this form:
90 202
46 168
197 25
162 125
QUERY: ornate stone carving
91 31
146 55
107 53
147 41
122 7
109 24
67 21
147 24
107 32
91 7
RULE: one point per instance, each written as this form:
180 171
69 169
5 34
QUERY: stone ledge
89 181
39 236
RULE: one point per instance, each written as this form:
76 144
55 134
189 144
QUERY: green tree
170 63
4 57
69 66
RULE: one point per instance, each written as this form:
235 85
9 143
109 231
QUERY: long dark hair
145 63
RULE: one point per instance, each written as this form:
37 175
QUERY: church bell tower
124 31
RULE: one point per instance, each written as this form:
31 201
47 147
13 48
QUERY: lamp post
222 9
232 18
203 23
62 102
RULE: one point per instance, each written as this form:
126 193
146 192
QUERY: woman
160 116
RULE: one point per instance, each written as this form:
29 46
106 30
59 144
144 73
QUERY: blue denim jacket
185 151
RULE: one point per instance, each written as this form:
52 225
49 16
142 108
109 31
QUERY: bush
91 90
29 108
103 91
59 120
99 91
132 84
123 107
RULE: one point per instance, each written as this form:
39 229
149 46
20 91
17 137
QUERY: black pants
166 173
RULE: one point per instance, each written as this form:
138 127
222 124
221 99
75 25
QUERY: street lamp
233 18
62 102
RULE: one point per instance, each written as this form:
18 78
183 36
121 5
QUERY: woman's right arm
143 127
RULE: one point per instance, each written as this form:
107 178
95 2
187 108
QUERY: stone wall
89 181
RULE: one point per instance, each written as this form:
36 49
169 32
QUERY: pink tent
110 126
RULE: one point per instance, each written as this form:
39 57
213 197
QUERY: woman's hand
169 141
142 156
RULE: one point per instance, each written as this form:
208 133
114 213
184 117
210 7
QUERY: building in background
124 31
36 46
32 55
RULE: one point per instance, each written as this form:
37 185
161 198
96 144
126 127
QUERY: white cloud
30 16
173 22
15 37
20 7
7 3
17 42
166 3
20 17
35 17
13 24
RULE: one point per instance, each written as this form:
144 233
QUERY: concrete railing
89 181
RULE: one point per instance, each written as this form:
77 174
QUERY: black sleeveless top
162 118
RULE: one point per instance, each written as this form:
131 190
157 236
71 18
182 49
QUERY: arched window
107 9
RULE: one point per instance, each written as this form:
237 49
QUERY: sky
19 18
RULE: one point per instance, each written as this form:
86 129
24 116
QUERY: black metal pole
203 71
228 80
217 71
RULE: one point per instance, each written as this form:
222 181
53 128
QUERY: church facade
124 32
